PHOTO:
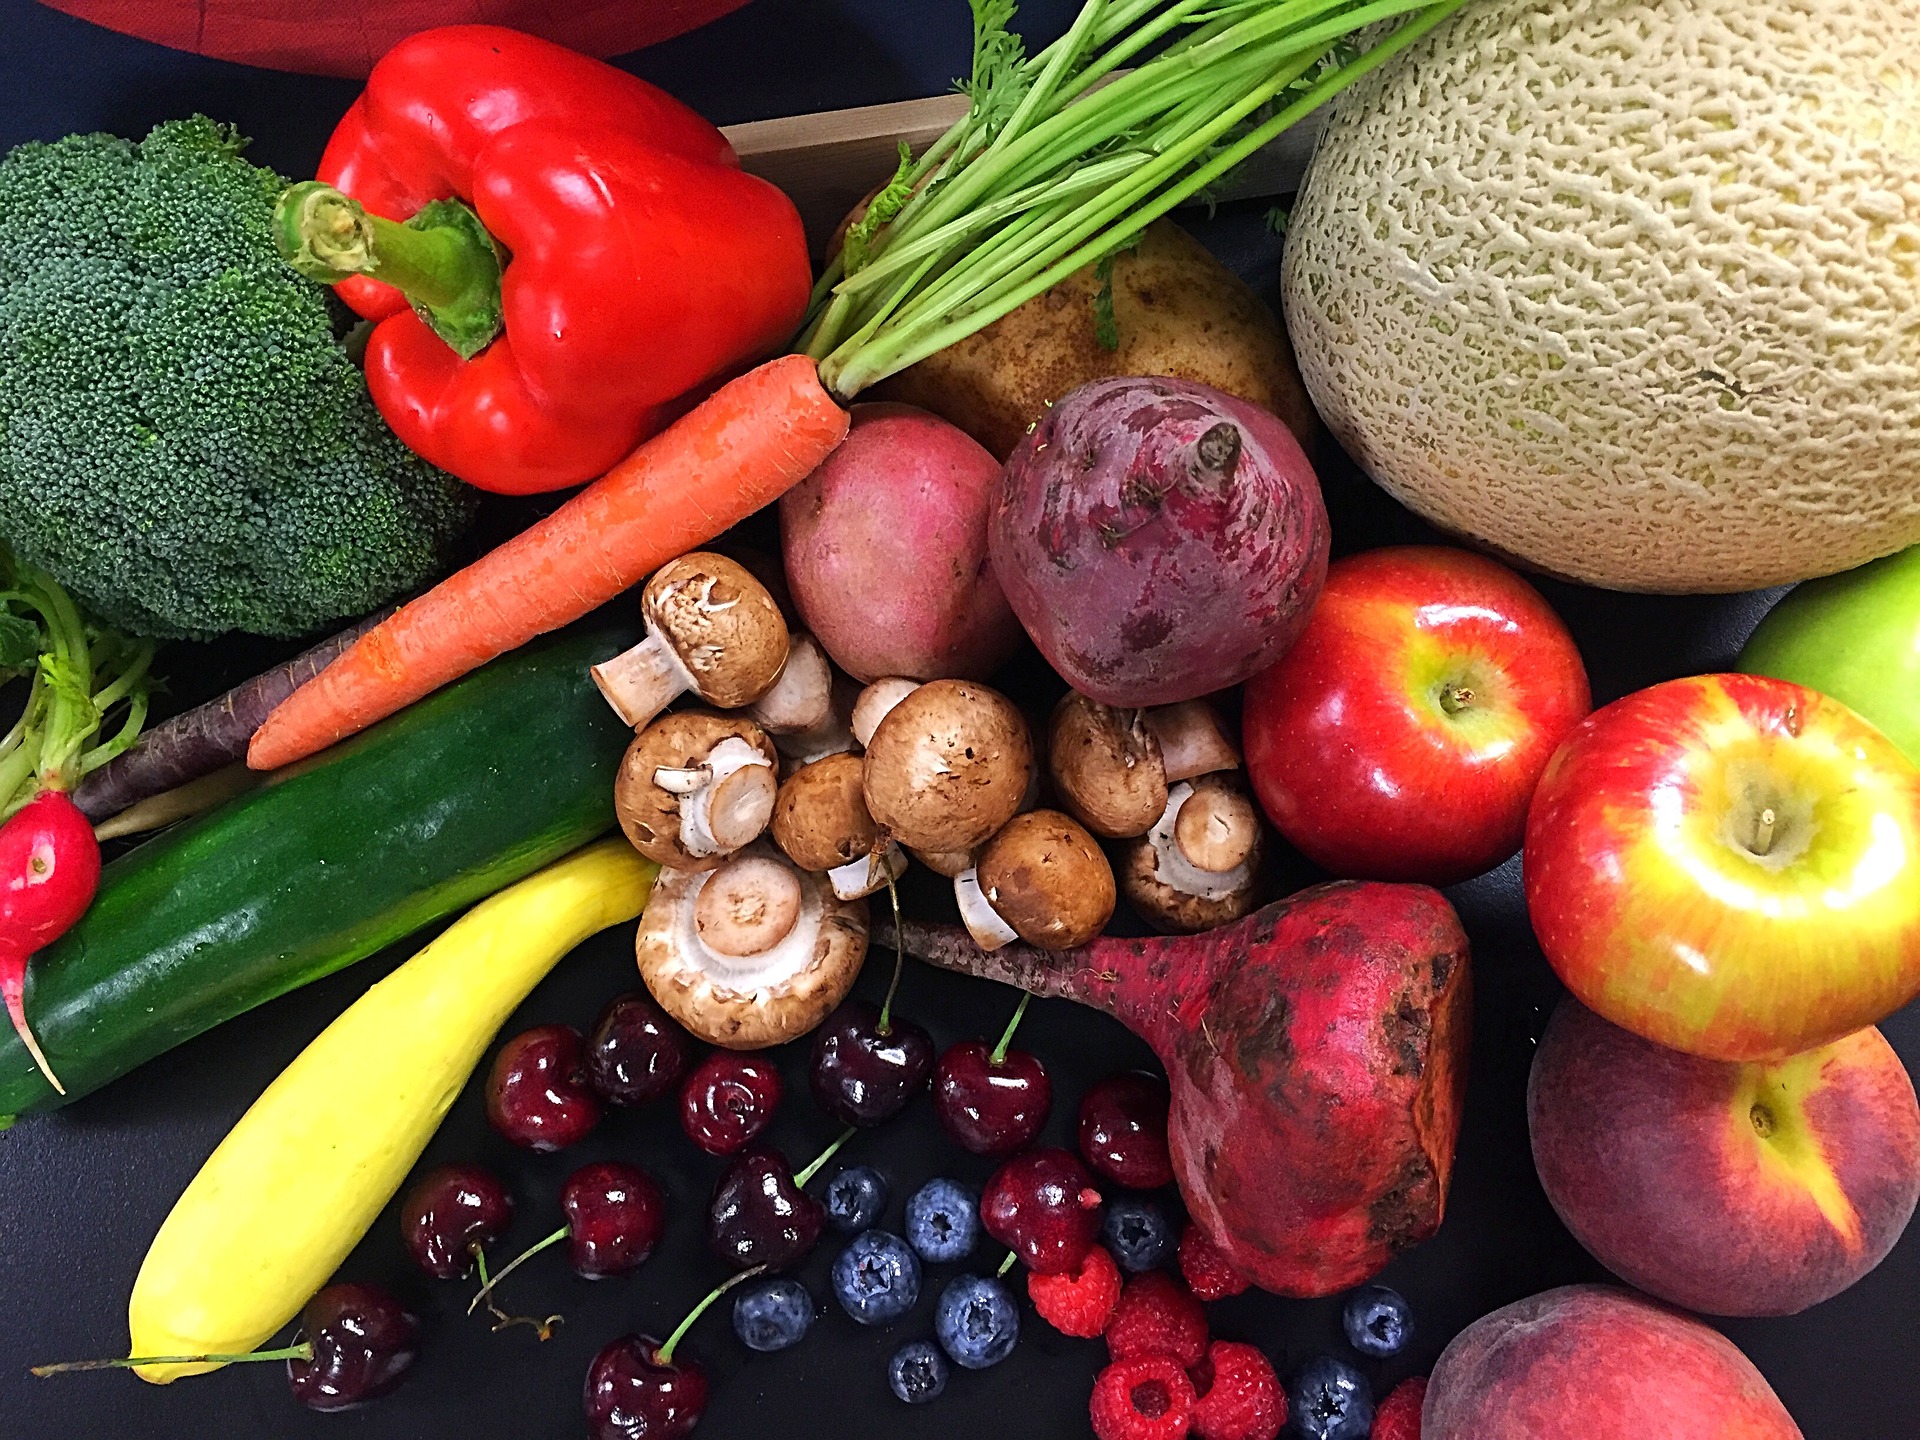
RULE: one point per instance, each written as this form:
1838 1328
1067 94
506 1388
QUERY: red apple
1729 865
1590 1362
1402 735
1729 1188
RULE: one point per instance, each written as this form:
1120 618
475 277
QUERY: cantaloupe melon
1630 289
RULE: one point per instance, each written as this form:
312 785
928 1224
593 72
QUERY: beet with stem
1317 1054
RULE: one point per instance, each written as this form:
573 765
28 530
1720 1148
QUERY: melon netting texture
1630 291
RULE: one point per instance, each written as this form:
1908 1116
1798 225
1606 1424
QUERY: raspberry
1157 1316
1146 1398
1082 1301
1398 1417
1206 1269
1241 1397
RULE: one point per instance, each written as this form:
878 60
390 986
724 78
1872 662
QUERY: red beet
1317 1053
1159 540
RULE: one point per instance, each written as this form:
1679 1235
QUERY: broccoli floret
184 441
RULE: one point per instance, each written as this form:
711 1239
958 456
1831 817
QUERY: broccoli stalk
79 675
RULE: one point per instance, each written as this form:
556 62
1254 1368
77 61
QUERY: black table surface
82 1192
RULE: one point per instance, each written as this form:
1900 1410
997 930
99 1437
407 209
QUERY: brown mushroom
950 864
801 696
711 628
873 704
820 820
948 766
1112 767
1198 868
751 954
1046 879
694 787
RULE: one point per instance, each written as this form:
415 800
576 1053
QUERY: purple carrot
200 741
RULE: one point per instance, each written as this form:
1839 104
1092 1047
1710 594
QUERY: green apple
1856 637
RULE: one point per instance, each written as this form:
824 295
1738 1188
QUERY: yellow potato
1177 310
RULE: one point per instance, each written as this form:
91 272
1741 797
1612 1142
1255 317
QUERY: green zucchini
459 796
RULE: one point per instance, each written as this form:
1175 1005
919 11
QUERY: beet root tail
13 984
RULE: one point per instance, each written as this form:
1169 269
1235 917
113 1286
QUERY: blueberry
1379 1321
876 1278
1329 1400
977 1322
918 1372
773 1314
1138 1233
943 1221
855 1198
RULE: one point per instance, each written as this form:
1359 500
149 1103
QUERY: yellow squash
296 1183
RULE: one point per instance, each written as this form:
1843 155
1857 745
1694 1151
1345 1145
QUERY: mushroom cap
682 740
720 623
948 766
820 818
1048 878
1106 766
1170 908
749 1002
949 864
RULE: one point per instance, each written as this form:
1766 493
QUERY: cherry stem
825 1155
999 1055
302 1351
1006 1264
899 959
501 1319
486 1289
664 1356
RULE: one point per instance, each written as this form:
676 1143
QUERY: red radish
1317 1054
49 869
886 550
1160 540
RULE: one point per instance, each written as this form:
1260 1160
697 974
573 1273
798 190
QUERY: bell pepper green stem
443 260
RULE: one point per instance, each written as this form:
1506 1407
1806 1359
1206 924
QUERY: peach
1598 1363
1730 1188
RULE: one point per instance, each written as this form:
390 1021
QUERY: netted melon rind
1630 289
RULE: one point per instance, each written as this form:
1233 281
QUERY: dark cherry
615 1216
1123 1131
363 1342
728 1100
631 1394
637 1052
537 1093
761 1216
989 1108
861 1076
449 1213
1043 1207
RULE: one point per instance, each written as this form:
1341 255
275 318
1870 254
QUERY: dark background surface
81 1193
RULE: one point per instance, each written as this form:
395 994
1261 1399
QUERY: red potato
886 551
1160 540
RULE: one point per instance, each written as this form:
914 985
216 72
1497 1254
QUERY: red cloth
352 34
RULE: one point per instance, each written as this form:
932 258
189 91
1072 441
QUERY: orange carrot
738 450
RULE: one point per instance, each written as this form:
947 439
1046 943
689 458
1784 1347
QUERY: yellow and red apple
1732 1188
1402 735
1729 865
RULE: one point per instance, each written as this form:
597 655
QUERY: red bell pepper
567 251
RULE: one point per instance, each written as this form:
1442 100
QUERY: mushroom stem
874 703
748 906
726 801
1215 830
1192 741
801 698
862 877
1178 869
641 682
983 922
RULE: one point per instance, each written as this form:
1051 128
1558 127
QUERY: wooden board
830 160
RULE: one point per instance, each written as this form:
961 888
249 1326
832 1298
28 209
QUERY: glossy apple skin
1592 1362
1352 746
1856 637
1731 1189
1648 897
